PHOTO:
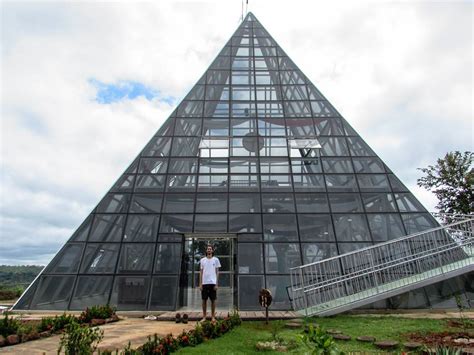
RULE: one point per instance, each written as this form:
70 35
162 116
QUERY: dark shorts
208 292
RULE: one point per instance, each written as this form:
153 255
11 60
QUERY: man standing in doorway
208 277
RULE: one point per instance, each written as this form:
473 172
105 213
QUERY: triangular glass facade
254 159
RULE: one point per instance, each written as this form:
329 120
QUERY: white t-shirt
209 273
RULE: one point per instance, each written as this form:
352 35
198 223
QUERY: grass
242 339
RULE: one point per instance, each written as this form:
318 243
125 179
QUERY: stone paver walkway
116 336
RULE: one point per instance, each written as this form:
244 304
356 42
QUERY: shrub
319 342
60 322
9 326
80 340
234 317
46 323
275 329
96 312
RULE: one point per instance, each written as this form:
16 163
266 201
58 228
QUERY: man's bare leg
213 310
204 309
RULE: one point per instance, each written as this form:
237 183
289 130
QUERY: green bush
9 326
60 322
80 340
96 312
46 323
319 342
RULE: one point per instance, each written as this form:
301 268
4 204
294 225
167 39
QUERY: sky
85 85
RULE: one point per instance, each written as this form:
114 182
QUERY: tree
452 181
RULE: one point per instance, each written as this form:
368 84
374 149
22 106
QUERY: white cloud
399 72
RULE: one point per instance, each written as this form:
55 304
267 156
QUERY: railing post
305 297
371 260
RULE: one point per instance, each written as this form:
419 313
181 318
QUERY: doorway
194 249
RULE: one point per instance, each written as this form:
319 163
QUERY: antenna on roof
242 16
246 7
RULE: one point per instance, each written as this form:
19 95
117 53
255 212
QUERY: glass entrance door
194 251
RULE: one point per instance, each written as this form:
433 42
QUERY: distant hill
18 275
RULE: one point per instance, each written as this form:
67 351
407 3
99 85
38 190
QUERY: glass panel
177 223
267 93
243 93
135 258
341 183
408 203
291 77
53 293
315 227
146 203
107 228
243 127
243 166
368 165
270 128
216 109
379 203
213 183
305 166
114 203
351 228
245 223
141 228
269 109
348 247
244 183
345 203
67 260
81 233
168 258
124 183
164 292
244 203
359 147
243 109
397 185
130 292
277 286
333 146
250 258
385 226
280 227
314 94
183 165
190 109
418 222
206 203
245 146
181 183
314 252
216 77
328 126
179 203
100 258
91 290
280 257
300 128
210 223
276 182
312 203
278 203
158 147
242 78
310 183
150 183
337 165
217 92
322 109
185 146
266 78
373 182
294 92
274 166
297 109
188 127
249 287
215 127
196 93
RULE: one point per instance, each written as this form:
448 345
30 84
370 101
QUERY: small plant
466 323
80 340
96 312
45 324
275 329
234 317
442 350
319 341
150 346
60 322
8 326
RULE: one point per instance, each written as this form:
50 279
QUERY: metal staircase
367 275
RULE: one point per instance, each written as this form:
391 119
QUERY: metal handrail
397 263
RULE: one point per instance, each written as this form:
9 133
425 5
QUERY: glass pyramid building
254 160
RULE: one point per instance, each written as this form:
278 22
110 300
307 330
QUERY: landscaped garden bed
14 330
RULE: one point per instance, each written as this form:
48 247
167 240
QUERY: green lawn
242 339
